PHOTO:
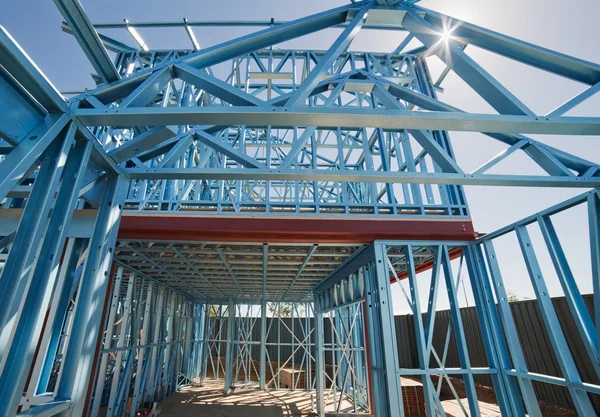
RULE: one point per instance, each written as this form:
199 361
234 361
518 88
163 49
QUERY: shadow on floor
210 401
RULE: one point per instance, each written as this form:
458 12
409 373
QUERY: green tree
512 297
285 310
215 311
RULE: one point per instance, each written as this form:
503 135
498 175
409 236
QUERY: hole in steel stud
34 137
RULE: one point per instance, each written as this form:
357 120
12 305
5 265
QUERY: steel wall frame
346 385
158 344
484 258
506 364
262 344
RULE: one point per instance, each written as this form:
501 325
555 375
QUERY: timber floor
209 401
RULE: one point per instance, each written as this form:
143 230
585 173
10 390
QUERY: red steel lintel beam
290 229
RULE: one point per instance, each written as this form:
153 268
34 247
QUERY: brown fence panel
532 334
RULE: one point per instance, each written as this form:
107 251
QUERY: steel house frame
153 229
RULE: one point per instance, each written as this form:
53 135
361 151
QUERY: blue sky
569 28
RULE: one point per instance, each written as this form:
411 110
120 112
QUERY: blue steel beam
149 278
147 90
429 103
110 44
16 273
320 376
69 275
423 334
465 67
547 161
507 390
19 67
381 330
278 34
120 342
131 91
230 349
360 176
20 160
216 87
45 272
423 137
575 101
593 201
459 331
527 53
583 320
231 273
142 364
107 342
302 266
358 259
227 150
49 409
200 273
21 322
557 208
20 113
88 39
16 63
175 277
88 310
555 333
236 47
347 118
437 153
341 44
300 142
433 296
262 364
146 140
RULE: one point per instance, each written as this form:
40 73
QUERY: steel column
87 317
385 375
320 376
230 351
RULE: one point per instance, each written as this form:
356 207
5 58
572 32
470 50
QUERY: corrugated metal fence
532 334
